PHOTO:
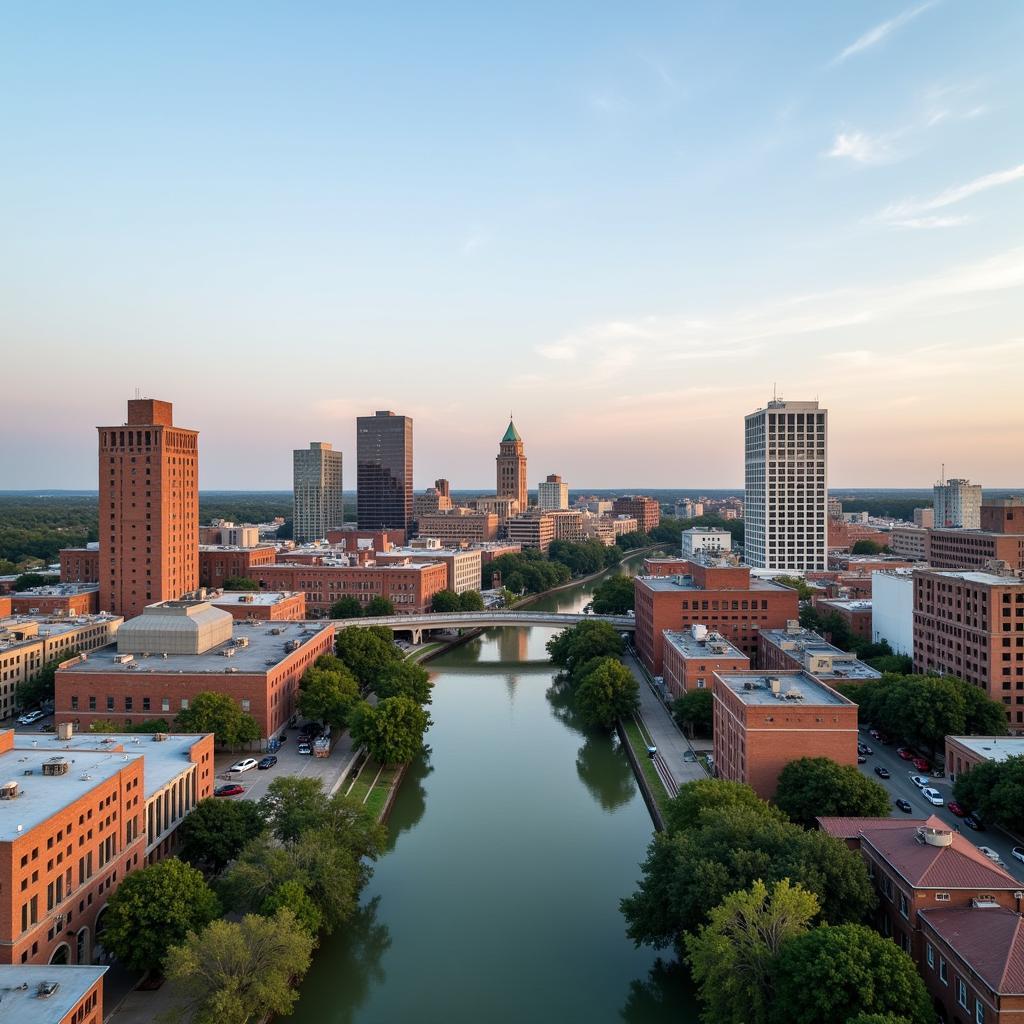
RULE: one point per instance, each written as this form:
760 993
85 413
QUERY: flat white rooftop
243 598
21 1003
987 578
712 645
993 748
756 688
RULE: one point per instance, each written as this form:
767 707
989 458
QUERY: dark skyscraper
384 471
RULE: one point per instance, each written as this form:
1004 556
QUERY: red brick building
217 563
78 998
59 599
725 598
645 510
460 526
971 625
762 722
666 566
80 565
966 752
974 549
693 656
148 509
795 648
261 605
855 613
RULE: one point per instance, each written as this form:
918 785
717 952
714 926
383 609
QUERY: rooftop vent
56 766
9 790
45 989
123 659
984 902
241 641
159 737
775 685
934 836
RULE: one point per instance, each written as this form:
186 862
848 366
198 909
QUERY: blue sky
624 222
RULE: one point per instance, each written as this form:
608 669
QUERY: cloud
908 213
875 35
928 223
862 148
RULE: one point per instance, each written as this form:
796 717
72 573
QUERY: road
899 785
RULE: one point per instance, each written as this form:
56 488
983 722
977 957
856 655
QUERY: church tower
512 467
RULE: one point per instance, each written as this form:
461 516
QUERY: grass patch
371 789
639 744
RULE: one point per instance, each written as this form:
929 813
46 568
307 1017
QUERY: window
904 905
929 953
979 1012
961 992
943 976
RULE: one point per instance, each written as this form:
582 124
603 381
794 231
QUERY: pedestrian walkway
661 727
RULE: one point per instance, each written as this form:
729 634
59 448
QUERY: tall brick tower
511 461
149 509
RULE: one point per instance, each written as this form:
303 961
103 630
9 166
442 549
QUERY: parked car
922 765
863 748
933 796
904 806
31 716
920 780
689 757
1018 853
267 762
955 808
882 773
231 789
244 765
304 747
861 759
875 734
907 755
973 821
991 854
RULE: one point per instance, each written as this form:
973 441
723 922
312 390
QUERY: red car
231 789
922 765
907 755
954 808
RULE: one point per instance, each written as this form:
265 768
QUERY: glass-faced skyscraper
384 471
316 491
785 504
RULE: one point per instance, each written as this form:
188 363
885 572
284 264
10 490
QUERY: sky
628 224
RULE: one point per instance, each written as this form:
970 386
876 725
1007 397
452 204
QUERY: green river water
511 843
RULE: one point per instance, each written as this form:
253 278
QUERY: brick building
463 564
28 998
57 599
762 722
264 605
148 509
178 649
855 613
489 551
218 563
533 529
966 752
350 539
459 526
692 656
645 510
568 525
910 542
794 647
511 468
725 598
974 549
971 625
80 565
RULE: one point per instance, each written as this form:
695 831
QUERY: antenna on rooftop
137 393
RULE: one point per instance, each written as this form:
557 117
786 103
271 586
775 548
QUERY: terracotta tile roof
851 828
990 940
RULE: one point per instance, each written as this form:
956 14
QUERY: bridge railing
435 620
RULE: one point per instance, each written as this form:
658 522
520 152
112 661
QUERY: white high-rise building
553 493
785 504
957 505
318 505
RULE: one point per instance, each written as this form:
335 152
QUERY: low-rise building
270 605
974 549
460 526
643 508
910 542
794 647
966 752
463 564
855 613
504 506
764 721
48 994
219 563
223 533
892 609
351 539
80 565
490 550
568 525
57 599
691 657
533 529
705 538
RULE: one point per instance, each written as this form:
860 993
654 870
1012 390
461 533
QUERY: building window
979 1012
904 905
961 992
943 976
929 953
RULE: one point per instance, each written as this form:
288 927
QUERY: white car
932 796
991 854
31 716
920 780
1018 853
244 765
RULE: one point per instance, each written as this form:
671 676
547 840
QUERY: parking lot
900 786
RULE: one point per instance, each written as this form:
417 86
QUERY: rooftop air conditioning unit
228 652
56 766
123 659
8 791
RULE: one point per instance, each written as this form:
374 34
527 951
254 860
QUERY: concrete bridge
416 624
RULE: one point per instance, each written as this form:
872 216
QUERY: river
511 843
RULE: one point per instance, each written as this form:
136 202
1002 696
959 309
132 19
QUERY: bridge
415 624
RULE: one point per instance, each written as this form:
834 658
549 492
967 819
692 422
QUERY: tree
584 641
219 714
215 831
293 805
328 694
29 580
732 955
614 596
471 601
833 973
799 584
240 583
366 651
877 1018
156 908
812 787
104 725
445 601
41 686
346 608
404 679
237 972
694 711
995 789
606 693
380 606
526 572
867 547
392 731
293 896
684 810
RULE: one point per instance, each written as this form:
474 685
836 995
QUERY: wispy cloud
882 31
862 148
915 212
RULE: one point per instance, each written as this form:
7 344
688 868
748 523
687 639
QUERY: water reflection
605 772
410 809
666 987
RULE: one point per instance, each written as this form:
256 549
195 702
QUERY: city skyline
630 246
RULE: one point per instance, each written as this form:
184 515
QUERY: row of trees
449 601
614 595
995 790
836 629
526 572
768 915
586 558
350 608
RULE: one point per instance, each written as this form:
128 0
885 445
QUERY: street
899 785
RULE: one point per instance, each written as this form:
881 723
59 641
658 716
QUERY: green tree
526 572
582 642
215 831
155 908
328 694
41 686
614 596
240 583
380 606
445 601
471 601
404 679
292 896
366 652
684 810
799 584
694 711
877 1018
150 725
29 580
392 731
238 972
219 714
606 693
346 608
104 725
995 789
293 805
812 787
832 974
867 547
732 955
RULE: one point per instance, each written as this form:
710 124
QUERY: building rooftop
708 645
236 547
246 597
818 656
851 605
989 579
21 1003
32 628
992 748
792 687
166 759
511 434
266 645
990 939
58 590
678 583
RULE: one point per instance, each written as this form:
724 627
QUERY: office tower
443 487
511 461
786 486
148 509
384 471
552 493
957 505
924 517
316 491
